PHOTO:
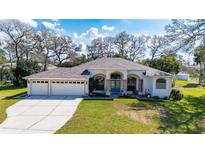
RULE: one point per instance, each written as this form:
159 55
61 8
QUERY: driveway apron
39 114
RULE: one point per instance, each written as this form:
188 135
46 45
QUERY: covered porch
118 83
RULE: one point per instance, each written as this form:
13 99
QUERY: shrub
165 98
24 68
176 94
156 97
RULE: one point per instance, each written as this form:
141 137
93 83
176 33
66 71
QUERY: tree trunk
152 57
1 73
17 56
45 65
27 57
200 73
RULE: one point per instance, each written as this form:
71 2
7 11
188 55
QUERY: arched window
100 80
131 84
160 83
115 76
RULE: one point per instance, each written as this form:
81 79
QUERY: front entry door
115 86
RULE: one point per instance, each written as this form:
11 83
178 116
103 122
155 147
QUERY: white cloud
83 49
53 26
86 37
30 22
89 35
108 28
50 25
75 35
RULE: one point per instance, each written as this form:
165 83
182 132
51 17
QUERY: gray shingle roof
101 63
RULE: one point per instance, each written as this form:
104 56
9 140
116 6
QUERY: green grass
5 84
96 116
6 99
185 116
129 116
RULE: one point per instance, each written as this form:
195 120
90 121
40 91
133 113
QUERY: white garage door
67 88
39 88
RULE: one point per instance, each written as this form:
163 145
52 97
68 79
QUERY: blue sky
85 30
131 26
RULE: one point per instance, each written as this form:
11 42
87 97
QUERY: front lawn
6 99
96 116
132 116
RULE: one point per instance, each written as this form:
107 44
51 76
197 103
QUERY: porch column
140 86
29 86
49 87
125 87
107 82
107 86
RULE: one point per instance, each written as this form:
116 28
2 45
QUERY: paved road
39 114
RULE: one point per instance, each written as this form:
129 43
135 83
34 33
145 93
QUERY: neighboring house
113 76
182 76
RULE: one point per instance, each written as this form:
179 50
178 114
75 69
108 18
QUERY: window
131 84
161 84
57 82
34 81
62 82
115 76
82 82
70 82
100 80
53 82
38 81
78 82
46 81
42 81
66 82
74 82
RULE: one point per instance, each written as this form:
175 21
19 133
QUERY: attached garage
57 87
38 87
68 87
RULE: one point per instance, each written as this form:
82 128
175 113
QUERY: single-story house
182 76
112 75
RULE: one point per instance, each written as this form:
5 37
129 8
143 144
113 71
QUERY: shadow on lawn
191 85
13 96
186 116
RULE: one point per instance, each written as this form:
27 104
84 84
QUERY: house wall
94 72
138 73
182 76
148 84
162 92
28 87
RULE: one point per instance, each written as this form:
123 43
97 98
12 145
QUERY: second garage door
67 87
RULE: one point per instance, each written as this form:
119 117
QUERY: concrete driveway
39 114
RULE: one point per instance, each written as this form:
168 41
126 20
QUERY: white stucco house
182 76
113 76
